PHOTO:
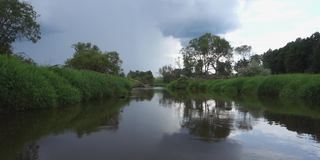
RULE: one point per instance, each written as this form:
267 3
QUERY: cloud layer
146 33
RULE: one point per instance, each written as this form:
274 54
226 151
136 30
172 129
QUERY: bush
304 87
25 86
181 83
250 86
66 93
272 85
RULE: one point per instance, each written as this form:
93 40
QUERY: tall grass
304 87
24 86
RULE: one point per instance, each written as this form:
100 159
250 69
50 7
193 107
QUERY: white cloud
272 23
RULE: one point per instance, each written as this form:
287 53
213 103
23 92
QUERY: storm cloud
146 33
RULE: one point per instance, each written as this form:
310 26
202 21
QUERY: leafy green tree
114 63
224 69
244 51
242 63
90 57
189 62
17 21
257 58
168 73
202 55
273 59
315 58
254 68
299 56
144 77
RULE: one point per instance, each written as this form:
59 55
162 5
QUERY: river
158 125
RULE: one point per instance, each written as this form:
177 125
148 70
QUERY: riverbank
28 86
305 87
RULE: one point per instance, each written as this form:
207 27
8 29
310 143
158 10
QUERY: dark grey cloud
189 18
145 32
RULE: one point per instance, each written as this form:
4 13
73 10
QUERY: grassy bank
304 87
25 86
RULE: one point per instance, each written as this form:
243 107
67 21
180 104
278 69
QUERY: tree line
210 56
300 56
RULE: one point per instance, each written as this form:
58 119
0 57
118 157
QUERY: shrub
181 83
66 93
25 86
291 86
272 85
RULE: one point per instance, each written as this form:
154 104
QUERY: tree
254 68
244 51
224 69
17 21
168 73
242 63
202 55
299 56
144 77
114 63
89 57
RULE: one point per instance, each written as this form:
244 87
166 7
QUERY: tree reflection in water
19 129
142 94
208 119
213 119
300 124
29 152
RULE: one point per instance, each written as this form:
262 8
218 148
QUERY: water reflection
299 124
208 119
162 125
29 152
142 94
212 118
18 131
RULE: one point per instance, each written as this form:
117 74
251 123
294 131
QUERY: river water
157 125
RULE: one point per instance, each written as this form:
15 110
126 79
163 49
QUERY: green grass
24 86
305 87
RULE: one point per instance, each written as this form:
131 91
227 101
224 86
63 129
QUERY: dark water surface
154 124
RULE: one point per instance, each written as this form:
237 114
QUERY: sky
149 33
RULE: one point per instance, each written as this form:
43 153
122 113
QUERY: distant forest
300 56
212 57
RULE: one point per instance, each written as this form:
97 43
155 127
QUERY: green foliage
300 56
304 87
181 83
242 63
244 51
224 69
17 20
143 77
250 86
159 82
24 86
89 57
273 85
168 73
206 54
65 92
254 68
